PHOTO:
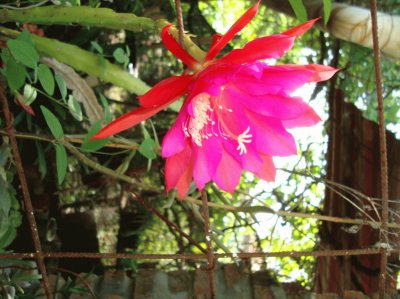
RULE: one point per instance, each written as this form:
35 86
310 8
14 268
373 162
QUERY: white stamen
242 139
201 106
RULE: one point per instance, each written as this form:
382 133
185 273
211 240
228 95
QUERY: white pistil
242 139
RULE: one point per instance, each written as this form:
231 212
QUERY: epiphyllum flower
236 111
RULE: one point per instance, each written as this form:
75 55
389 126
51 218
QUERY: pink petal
227 175
301 29
308 118
319 72
129 120
206 160
270 136
277 106
226 38
281 79
165 90
267 171
273 46
175 139
178 171
175 48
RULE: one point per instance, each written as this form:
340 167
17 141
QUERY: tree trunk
353 161
351 23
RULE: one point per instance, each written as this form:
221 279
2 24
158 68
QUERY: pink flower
236 112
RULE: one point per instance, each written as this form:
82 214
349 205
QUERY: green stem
95 17
82 15
84 61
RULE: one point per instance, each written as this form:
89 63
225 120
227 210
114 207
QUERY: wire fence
207 254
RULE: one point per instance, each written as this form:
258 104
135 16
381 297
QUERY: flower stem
81 15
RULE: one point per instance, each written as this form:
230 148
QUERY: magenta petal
273 105
175 140
270 136
319 72
166 90
227 175
267 171
206 160
308 118
178 171
220 42
273 46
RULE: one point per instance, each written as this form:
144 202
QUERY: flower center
208 121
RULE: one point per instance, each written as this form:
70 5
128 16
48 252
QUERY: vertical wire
383 150
210 255
25 192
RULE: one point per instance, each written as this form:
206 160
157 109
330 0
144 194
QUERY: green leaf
41 161
172 3
147 148
5 198
15 73
75 108
61 85
93 145
97 47
327 10
119 55
25 36
30 94
23 52
107 113
53 123
9 233
61 162
46 78
299 9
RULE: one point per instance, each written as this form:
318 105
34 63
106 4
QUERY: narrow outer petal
129 120
226 38
300 29
273 46
175 48
319 72
166 90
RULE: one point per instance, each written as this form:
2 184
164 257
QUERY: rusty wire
210 255
198 256
25 190
383 150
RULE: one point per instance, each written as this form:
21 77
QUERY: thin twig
210 254
55 269
85 283
382 147
168 222
265 209
179 19
107 171
48 138
25 191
